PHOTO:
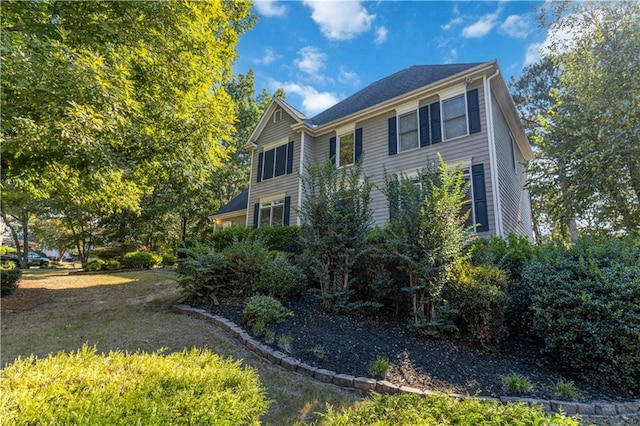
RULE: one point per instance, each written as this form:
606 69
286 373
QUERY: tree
589 139
97 99
336 215
429 232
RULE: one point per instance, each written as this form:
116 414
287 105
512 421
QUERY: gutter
302 135
491 137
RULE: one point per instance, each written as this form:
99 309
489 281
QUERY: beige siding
514 200
285 183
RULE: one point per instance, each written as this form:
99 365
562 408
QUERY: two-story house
397 124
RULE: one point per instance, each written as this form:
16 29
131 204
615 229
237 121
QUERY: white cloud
481 27
453 55
340 20
381 35
313 101
516 26
311 60
348 77
452 23
533 54
268 57
269 8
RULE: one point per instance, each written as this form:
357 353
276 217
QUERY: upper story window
408 131
277 115
346 150
275 162
454 117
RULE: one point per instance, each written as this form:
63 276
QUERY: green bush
280 279
189 387
477 300
9 277
112 265
140 259
7 250
223 238
586 310
408 409
245 260
95 265
169 260
265 310
202 273
280 238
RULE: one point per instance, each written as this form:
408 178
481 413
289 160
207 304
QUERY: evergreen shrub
280 238
192 387
7 250
265 310
202 273
95 265
585 308
9 277
169 260
245 260
280 279
141 260
112 265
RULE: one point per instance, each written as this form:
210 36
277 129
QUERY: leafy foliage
440 410
139 259
281 238
336 215
280 279
202 273
9 277
429 233
584 301
245 260
517 383
265 310
188 387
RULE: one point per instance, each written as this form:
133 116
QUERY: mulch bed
349 344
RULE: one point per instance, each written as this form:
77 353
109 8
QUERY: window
277 115
275 162
272 213
408 131
454 117
346 150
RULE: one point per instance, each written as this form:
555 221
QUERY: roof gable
390 87
266 116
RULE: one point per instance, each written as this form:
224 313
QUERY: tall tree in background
103 100
589 127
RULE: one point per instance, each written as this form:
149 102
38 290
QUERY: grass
130 311
380 366
517 383
565 389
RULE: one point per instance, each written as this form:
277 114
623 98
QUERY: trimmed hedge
85 388
9 277
140 259
585 302
279 238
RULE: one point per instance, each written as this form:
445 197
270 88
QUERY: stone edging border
589 411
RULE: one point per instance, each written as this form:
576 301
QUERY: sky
321 52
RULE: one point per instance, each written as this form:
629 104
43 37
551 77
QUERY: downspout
495 185
300 171
253 151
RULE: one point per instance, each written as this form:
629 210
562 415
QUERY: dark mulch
349 344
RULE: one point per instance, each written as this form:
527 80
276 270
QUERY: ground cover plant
84 387
9 277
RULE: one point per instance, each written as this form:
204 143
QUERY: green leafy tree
335 214
428 231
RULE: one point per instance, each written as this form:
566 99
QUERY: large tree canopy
582 107
102 101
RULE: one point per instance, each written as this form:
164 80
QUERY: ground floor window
272 213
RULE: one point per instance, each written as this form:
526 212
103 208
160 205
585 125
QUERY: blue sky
320 52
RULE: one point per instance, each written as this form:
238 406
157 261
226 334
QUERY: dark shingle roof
397 84
237 204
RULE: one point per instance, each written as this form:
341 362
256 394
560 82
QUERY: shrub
440 410
265 310
280 279
140 260
586 310
564 389
477 300
380 366
281 238
516 383
169 260
284 342
245 260
95 265
7 250
202 273
9 277
189 387
112 265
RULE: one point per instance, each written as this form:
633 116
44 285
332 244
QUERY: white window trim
466 116
408 107
277 115
272 197
453 91
268 202
338 144
268 146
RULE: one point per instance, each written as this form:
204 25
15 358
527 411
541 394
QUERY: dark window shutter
358 144
281 160
290 157
436 130
268 164
424 125
473 108
479 198
287 211
393 136
332 149
259 167
256 214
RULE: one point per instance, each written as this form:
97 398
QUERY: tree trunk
569 212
